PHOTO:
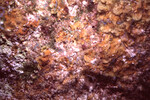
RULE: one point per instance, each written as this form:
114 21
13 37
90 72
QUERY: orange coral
20 31
15 19
58 7
77 25
33 23
47 52
44 60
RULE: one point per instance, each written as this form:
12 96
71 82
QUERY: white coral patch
73 10
131 52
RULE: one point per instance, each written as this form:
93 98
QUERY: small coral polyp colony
77 49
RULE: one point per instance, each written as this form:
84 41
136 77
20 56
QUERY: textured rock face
75 49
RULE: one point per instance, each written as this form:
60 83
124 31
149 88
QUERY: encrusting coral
76 49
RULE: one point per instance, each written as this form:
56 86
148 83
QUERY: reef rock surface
74 49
